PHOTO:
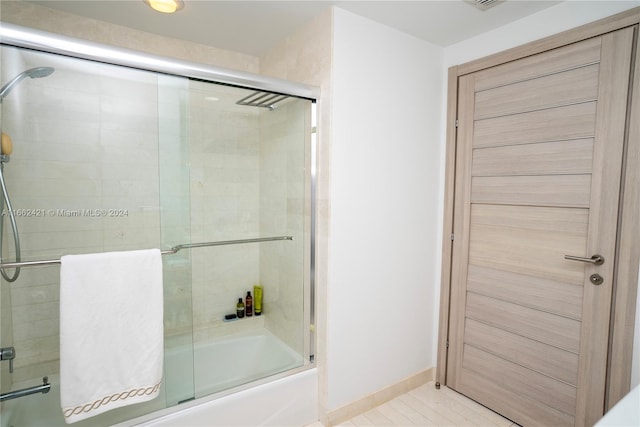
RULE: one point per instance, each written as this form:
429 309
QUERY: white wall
386 92
550 21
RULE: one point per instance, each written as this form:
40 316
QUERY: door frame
627 247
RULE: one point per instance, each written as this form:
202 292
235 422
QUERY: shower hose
16 238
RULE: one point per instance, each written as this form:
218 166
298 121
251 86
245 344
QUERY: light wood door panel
541 218
543 158
548 328
533 190
555 124
559 89
504 400
539 254
553 296
550 62
538 166
531 354
532 385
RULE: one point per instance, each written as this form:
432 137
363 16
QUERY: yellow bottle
257 300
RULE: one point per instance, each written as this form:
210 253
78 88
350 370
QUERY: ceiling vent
483 4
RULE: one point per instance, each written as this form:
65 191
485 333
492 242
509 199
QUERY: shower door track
172 251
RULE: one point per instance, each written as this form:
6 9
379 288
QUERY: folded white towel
111 331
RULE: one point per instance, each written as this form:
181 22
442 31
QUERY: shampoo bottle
248 304
257 300
240 309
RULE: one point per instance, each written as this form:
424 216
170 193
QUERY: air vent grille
483 4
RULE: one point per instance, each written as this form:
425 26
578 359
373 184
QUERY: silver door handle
595 260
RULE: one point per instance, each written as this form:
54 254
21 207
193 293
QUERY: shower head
38 72
34 73
262 99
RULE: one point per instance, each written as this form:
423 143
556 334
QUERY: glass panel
173 109
85 142
247 181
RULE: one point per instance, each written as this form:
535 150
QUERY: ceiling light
165 6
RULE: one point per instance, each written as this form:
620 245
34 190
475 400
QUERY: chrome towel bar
173 250
44 388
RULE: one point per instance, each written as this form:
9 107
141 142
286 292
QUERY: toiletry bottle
248 304
257 300
240 309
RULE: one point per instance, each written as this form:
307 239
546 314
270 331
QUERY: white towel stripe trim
69 412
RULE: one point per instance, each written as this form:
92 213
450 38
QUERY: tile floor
426 406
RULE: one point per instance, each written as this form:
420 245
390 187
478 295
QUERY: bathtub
291 401
248 380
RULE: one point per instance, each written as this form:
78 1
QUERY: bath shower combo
173 144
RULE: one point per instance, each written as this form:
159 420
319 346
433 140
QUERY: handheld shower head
5 148
34 73
38 72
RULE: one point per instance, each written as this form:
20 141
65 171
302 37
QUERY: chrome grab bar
44 388
595 260
173 250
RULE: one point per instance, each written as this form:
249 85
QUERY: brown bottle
248 304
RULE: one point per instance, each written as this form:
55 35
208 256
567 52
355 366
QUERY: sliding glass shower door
86 175
110 158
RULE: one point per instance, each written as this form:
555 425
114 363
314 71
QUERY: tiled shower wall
247 180
225 160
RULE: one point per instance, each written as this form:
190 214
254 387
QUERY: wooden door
538 166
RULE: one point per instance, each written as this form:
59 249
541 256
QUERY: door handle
595 260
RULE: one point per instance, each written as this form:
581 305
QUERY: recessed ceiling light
211 98
165 6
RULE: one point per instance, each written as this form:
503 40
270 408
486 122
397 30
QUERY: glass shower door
175 219
90 137
250 177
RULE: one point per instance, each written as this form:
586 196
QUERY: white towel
111 331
